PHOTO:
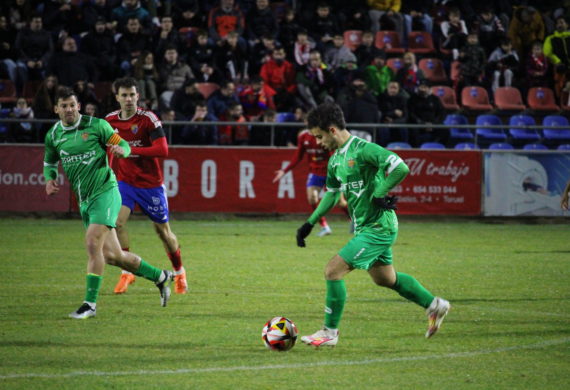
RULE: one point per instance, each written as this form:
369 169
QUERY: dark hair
125 82
65 93
325 116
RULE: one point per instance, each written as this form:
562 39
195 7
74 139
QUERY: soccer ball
279 334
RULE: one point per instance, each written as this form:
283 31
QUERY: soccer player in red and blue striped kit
140 177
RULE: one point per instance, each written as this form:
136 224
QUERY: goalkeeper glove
302 233
386 203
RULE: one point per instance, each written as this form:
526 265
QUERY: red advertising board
239 180
22 184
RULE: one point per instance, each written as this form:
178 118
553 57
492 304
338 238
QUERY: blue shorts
152 201
316 180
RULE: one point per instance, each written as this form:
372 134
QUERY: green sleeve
107 132
125 145
51 158
329 200
391 168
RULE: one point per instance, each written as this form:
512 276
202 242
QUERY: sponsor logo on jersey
85 158
85 136
134 129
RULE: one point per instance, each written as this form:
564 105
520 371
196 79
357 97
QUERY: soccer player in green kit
364 172
80 143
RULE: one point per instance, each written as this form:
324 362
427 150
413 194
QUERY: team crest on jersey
351 163
85 136
134 129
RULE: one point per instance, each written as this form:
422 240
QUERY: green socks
408 287
149 272
336 296
93 286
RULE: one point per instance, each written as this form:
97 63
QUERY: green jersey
362 170
81 148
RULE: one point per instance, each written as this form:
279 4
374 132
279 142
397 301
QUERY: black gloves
302 233
386 203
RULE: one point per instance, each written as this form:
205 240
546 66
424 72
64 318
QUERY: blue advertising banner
525 183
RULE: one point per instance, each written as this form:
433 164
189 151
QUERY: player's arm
565 195
51 162
392 170
297 157
158 148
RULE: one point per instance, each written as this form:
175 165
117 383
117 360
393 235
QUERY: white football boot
325 231
84 311
164 286
436 312
323 337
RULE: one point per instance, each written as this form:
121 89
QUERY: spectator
209 74
224 19
99 46
261 134
410 76
147 77
127 10
378 74
91 109
85 93
489 28
355 17
187 13
426 109
261 53
168 115
359 105
526 27
62 15
472 62
165 37
44 100
454 32
393 106
287 136
15 70
503 63
367 51
173 74
70 66
92 11
131 44
555 49
202 52
385 15
260 21
185 100
21 131
220 100
288 30
18 12
324 27
199 133
314 81
34 47
345 74
256 98
537 67
338 54
279 74
302 48
231 59
416 15
233 134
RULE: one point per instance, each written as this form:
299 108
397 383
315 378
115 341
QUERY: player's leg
172 248
335 271
131 262
126 278
383 274
314 185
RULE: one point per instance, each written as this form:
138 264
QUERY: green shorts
367 248
101 210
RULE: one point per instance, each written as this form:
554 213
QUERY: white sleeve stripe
333 189
154 119
394 162
50 165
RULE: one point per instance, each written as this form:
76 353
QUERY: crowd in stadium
419 62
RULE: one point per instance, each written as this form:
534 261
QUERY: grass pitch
509 327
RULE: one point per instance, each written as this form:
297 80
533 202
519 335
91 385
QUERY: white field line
467 354
515 311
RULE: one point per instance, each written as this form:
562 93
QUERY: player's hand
117 151
386 203
302 233
52 187
278 175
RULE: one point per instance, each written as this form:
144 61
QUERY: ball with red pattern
279 334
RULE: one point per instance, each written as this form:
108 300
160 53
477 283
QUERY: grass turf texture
508 327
